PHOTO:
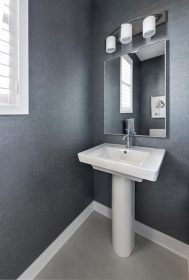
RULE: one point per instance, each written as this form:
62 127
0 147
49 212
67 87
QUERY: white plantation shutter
126 84
13 57
8 52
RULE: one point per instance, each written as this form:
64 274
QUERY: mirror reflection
135 92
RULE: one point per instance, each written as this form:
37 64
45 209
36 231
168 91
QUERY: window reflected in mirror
126 84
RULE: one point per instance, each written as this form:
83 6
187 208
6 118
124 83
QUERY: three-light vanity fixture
124 33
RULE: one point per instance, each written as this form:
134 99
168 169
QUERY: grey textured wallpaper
163 205
43 187
113 120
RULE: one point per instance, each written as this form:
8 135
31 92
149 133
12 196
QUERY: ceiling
151 51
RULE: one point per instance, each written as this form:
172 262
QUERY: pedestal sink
126 167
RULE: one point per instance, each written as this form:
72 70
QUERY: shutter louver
8 52
126 80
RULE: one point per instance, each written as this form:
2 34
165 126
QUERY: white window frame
23 84
122 108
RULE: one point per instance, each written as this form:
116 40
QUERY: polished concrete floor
89 255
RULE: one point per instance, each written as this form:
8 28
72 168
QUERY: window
13 57
126 84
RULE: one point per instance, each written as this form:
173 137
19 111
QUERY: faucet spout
128 138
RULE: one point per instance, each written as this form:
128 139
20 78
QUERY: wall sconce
126 33
149 27
110 44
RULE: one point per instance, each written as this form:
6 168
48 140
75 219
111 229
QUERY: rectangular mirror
135 92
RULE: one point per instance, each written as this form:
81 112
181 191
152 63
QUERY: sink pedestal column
123 214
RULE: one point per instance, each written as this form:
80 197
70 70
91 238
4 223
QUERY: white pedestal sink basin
126 167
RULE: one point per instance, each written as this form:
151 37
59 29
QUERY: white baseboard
163 240
155 236
36 267
102 209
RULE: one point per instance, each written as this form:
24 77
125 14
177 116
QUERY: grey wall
163 205
152 84
113 119
43 187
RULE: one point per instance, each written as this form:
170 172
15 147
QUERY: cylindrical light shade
126 33
110 44
149 26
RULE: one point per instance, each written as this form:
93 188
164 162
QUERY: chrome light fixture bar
145 25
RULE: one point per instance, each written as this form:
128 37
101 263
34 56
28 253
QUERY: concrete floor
89 255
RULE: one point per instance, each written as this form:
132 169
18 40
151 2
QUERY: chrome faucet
128 138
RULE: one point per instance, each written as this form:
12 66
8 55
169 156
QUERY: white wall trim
34 269
153 235
163 240
102 209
